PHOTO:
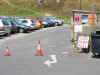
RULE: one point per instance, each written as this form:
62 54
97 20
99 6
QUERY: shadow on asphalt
83 52
96 57
2 37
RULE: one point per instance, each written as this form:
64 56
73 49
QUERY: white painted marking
52 60
64 53
47 63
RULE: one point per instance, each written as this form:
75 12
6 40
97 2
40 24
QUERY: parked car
12 25
21 27
28 22
55 20
4 28
43 22
38 23
46 23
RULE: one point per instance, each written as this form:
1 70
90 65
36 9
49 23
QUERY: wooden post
73 34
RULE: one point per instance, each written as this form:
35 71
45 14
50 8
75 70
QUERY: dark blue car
55 20
46 23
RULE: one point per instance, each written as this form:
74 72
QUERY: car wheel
21 30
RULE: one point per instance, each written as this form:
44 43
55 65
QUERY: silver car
4 27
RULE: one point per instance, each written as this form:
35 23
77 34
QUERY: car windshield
24 21
17 22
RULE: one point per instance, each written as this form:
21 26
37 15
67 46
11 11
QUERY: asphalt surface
53 40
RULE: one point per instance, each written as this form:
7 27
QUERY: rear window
5 22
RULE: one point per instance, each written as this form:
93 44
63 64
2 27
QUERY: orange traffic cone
7 52
39 51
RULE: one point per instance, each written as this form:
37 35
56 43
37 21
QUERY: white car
28 22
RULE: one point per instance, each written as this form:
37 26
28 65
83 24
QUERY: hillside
30 7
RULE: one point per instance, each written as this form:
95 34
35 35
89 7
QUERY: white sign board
78 28
83 42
